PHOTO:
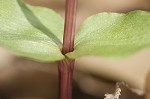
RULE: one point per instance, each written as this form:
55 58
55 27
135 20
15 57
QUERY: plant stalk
69 31
65 78
66 66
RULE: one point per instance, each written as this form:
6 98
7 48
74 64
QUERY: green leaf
113 35
33 32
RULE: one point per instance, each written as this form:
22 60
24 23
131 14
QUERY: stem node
65 67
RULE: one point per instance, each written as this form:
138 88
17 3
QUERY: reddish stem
69 32
65 67
65 79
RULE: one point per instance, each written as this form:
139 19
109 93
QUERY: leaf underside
29 31
113 35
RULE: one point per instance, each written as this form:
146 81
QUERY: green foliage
28 31
113 35
36 32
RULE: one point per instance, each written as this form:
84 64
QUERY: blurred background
22 78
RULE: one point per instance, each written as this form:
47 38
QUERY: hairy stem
65 67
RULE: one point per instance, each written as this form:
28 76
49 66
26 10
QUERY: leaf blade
18 34
113 35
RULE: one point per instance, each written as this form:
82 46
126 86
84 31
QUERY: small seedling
37 33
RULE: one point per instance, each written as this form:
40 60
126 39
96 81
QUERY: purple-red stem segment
69 31
65 67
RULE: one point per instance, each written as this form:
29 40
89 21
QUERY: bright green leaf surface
113 35
32 32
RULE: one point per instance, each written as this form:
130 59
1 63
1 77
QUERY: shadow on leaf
34 21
